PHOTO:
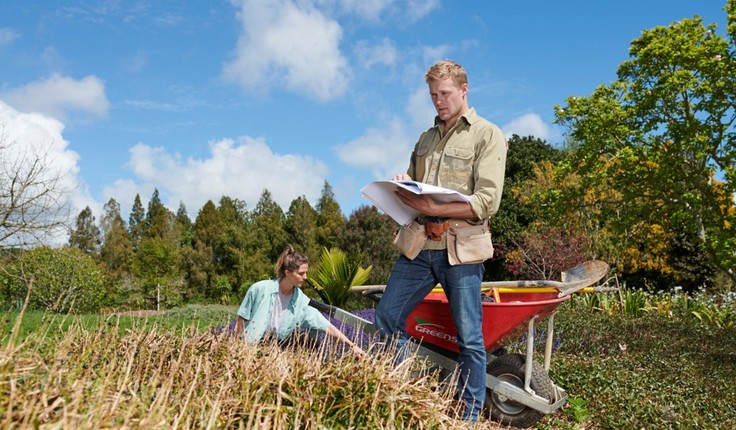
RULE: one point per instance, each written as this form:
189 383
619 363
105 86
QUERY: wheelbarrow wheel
510 368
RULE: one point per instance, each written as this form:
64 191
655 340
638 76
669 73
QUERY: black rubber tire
510 368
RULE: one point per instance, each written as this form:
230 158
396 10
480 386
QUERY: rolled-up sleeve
314 319
489 171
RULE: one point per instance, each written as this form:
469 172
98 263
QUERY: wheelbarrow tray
431 321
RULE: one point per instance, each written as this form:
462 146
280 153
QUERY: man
465 153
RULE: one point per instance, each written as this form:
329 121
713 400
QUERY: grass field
173 370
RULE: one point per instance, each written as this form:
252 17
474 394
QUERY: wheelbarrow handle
575 279
323 307
343 316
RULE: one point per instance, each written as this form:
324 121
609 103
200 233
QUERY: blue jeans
410 281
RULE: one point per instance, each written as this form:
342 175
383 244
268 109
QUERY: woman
274 308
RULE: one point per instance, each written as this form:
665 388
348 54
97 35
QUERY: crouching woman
274 308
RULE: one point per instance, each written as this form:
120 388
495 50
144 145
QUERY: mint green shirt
258 304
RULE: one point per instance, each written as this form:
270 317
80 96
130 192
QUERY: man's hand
421 202
402 177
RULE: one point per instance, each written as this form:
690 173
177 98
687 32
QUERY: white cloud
369 10
531 124
7 36
383 12
420 108
29 136
60 96
384 53
384 151
418 9
242 170
432 54
288 43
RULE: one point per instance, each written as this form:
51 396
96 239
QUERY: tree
116 252
159 220
234 245
370 234
32 190
65 280
268 226
158 256
184 225
136 222
201 261
663 136
86 236
514 216
330 220
156 264
301 226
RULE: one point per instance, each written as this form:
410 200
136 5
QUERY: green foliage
236 243
301 226
625 367
185 319
660 136
713 309
515 215
116 252
59 280
330 220
86 235
370 233
184 225
268 227
156 265
136 221
634 302
335 275
159 220
578 409
199 261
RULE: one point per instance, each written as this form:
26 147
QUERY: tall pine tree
86 235
330 220
136 224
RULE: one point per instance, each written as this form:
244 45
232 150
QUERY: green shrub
336 273
60 280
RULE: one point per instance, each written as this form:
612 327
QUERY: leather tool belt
436 227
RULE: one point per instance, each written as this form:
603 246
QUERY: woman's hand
358 351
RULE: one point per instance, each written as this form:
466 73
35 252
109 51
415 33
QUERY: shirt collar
470 117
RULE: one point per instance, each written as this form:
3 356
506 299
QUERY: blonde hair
290 259
444 69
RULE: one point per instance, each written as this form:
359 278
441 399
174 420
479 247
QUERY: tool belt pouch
435 230
410 239
468 244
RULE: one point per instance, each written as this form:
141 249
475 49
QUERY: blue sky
202 99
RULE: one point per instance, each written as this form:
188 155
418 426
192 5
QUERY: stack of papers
382 195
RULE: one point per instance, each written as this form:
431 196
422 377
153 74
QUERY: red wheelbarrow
519 391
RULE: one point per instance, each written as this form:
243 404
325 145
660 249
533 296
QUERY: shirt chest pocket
457 168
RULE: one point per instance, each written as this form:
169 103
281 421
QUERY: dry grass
163 379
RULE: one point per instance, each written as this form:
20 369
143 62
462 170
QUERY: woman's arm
239 325
337 334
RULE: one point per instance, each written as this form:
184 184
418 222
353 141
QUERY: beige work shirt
470 159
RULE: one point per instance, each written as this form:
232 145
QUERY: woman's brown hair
290 259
